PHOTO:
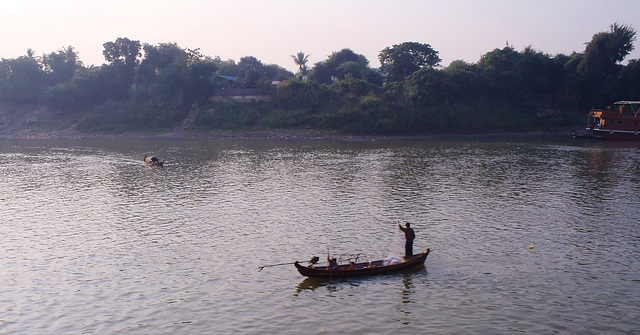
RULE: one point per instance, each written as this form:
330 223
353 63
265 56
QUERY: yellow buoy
531 247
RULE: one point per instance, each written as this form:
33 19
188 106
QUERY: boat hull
610 134
362 269
153 161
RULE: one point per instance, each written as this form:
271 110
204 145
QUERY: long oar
313 260
270 265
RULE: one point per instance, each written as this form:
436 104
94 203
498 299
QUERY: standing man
409 235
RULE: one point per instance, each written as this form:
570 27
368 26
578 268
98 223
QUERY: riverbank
289 134
39 122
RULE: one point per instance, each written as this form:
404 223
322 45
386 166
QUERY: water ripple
527 236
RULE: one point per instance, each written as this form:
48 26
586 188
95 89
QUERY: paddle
313 260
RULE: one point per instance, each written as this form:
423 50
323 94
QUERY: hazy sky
274 30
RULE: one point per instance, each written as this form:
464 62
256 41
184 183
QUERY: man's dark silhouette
409 235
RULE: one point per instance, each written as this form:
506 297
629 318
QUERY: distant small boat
362 269
153 160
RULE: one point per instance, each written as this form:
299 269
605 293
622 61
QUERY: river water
536 236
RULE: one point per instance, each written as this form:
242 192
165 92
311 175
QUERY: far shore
280 135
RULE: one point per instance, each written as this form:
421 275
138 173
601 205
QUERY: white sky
273 30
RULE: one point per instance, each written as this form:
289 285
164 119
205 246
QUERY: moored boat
153 160
362 269
619 123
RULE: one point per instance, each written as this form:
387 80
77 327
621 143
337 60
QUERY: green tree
606 49
162 76
200 86
22 80
158 58
31 53
171 76
226 67
250 69
464 80
122 51
88 88
122 56
62 65
499 76
276 72
296 94
429 87
403 59
301 60
355 69
621 41
327 72
628 83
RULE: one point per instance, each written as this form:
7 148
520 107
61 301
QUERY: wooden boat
361 269
620 123
153 160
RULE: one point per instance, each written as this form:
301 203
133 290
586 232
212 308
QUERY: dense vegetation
144 87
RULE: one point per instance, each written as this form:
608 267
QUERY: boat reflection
408 289
338 284
311 283
332 285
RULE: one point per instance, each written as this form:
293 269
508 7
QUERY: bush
226 116
281 118
122 117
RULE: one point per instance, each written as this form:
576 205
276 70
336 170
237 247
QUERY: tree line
144 87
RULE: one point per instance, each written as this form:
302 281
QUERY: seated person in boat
333 263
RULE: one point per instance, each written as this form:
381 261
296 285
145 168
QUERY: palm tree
301 60
31 53
71 56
